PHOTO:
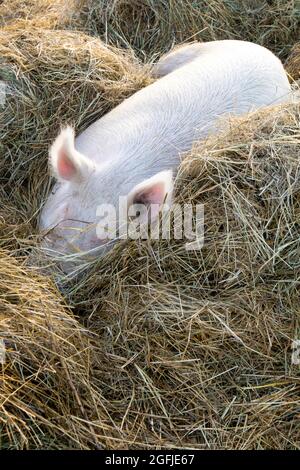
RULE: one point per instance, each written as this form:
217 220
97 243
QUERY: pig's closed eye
55 188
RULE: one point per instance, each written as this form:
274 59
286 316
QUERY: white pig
132 150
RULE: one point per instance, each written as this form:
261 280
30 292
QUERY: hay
45 379
153 347
39 13
293 63
154 26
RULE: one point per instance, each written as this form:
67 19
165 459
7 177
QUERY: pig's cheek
61 216
56 217
66 212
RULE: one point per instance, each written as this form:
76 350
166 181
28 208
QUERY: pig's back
160 121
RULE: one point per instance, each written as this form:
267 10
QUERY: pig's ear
66 162
154 191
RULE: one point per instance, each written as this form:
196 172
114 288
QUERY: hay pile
151 27
46 377
154 347
293 62
39 13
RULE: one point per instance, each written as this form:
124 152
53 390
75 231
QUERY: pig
133 150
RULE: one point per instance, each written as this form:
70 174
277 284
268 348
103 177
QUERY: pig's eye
55 188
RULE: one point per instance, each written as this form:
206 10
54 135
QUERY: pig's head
69 221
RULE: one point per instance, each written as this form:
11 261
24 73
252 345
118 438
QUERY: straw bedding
293 63
153 26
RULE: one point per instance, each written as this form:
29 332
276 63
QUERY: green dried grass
152 27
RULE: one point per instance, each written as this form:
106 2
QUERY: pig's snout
73 238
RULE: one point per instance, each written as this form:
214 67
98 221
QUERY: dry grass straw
154 26
46 376
167 348
293 63
39 13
